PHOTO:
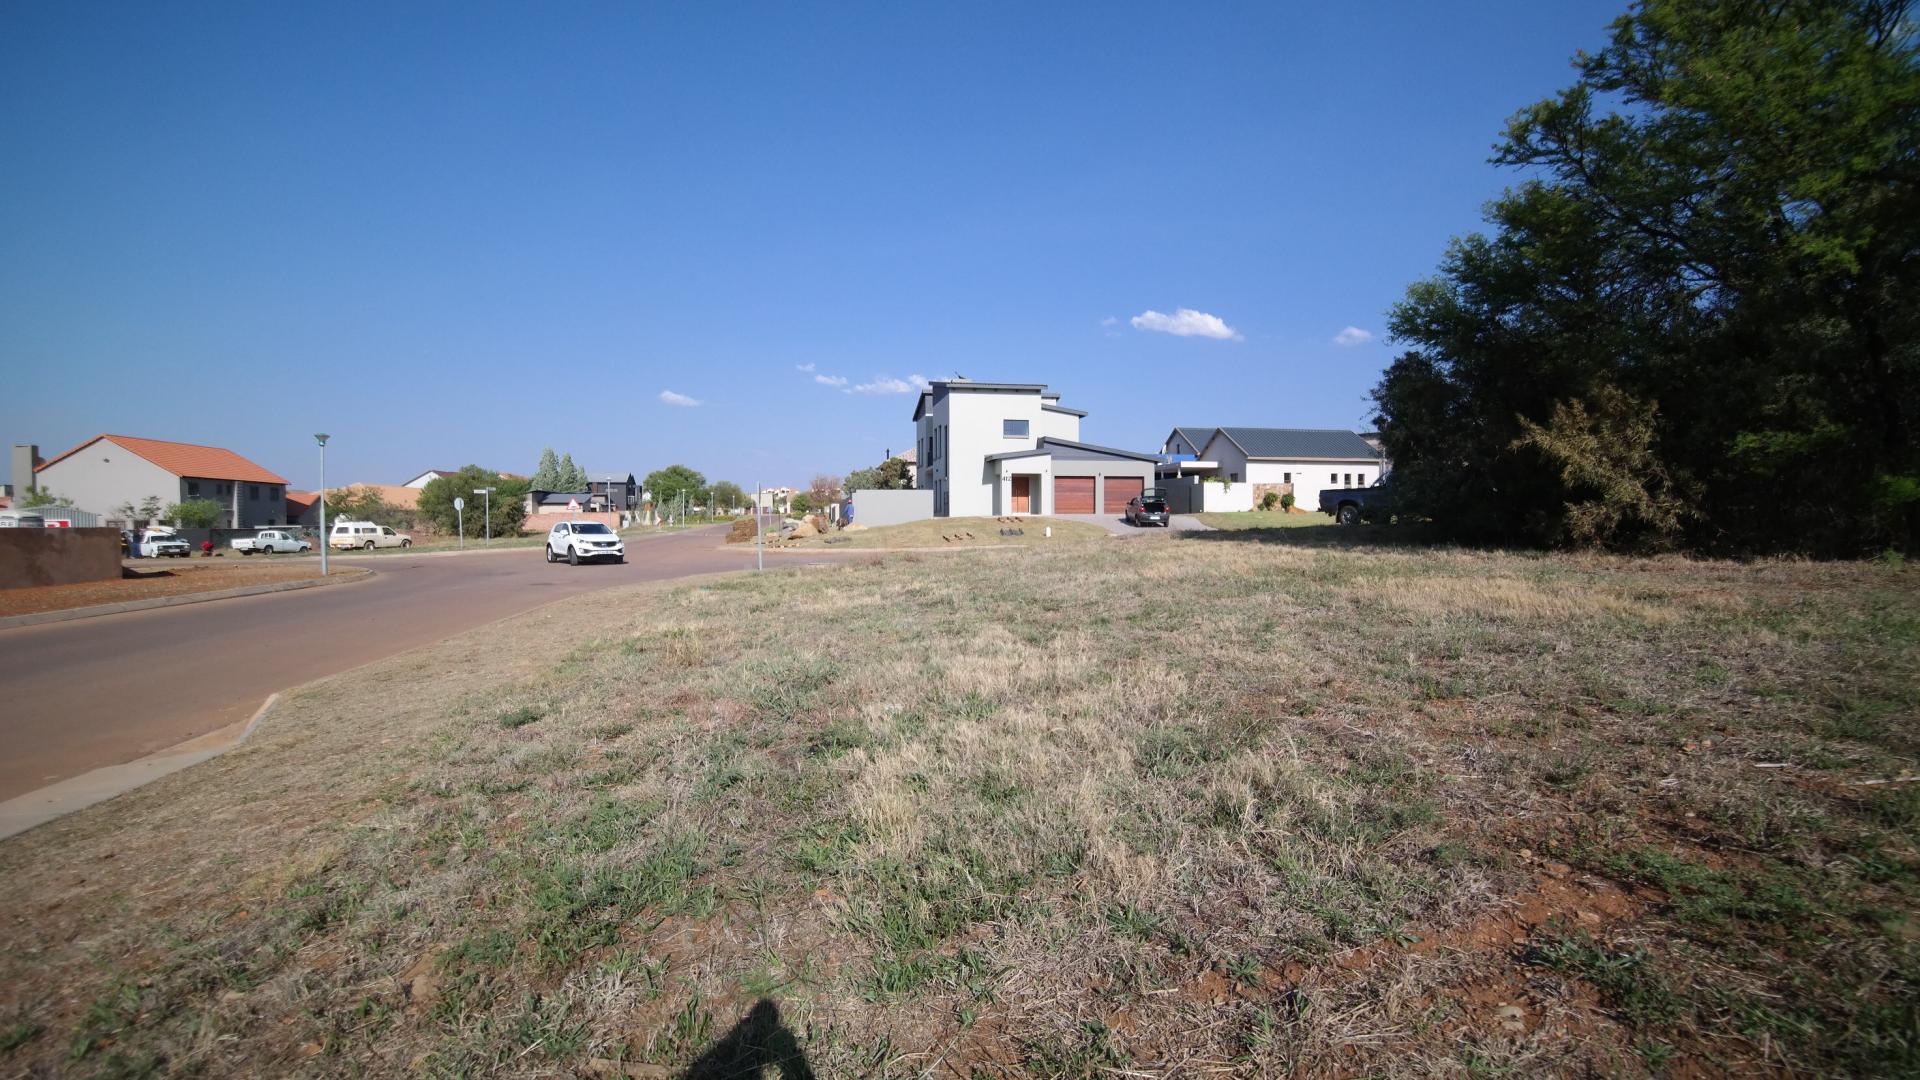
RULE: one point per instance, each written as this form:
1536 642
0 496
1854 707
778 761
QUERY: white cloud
682 400
1108 321
1352 336
887 384
830 380
808 368
1186 322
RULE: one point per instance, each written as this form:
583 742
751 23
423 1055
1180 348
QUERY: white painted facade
959 425
1309 476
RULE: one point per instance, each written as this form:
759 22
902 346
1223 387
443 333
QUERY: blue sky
459 233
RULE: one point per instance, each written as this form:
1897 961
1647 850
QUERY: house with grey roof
989 449
1232 468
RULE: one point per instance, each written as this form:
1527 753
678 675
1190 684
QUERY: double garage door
1074 494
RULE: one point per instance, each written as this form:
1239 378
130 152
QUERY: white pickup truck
270 541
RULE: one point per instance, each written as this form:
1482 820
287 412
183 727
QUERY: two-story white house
991 449
1247 462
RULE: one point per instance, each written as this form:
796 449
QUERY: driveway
102 691
1118 526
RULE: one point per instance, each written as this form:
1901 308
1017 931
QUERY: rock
804 529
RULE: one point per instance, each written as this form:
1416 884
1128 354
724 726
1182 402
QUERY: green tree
196 514
572 477
727 495
150 508
800 503
547 476
40 496
508 502
362 503
889 475
1699 320
666 486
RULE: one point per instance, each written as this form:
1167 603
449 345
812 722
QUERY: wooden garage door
1120 489
1073 494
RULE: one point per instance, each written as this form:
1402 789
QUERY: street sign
573 506
59 523
459 503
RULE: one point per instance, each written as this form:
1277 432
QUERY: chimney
24 460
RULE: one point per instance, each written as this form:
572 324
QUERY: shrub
1270 500
1286 501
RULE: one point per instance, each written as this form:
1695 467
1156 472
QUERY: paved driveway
1118 526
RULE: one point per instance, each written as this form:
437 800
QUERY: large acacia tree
1695 320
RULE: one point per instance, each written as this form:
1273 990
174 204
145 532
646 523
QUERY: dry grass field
1228 804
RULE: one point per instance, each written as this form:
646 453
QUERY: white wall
105 475
1056 425
1311 477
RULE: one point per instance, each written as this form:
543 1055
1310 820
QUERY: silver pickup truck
270 541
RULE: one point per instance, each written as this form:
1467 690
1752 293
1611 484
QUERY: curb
98 610
40 806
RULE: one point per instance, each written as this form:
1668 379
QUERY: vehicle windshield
592 527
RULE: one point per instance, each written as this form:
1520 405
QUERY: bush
196 514
1270 500
1286 501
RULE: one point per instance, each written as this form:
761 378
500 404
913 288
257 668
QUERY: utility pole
322 440
759 531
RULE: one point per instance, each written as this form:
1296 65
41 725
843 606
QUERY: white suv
576 541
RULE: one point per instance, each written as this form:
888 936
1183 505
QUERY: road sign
573 506
459 503
59 523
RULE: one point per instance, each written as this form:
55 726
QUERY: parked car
365 534
1148 508
1350 506
270 541
576 541
157 543
21 519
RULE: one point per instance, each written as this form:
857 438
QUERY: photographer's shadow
760 1047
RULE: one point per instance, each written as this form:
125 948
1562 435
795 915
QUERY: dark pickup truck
1350 506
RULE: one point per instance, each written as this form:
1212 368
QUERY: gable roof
562 498
1048 443
1196 436
1321 443
399 495
183 459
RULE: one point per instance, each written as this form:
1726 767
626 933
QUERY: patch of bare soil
150 578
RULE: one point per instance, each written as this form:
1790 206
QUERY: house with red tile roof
110 471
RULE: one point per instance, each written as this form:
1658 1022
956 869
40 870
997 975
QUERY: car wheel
369 545
573 556
404 544
549 551
1349 515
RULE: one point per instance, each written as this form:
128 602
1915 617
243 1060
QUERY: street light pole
759 531
322 440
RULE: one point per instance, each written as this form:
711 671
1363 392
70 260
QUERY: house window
1286 478
193 489
1233 477
1333 478
1013 429
253 492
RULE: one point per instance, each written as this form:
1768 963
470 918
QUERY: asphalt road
78 695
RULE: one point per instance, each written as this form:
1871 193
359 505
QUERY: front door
1022 495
